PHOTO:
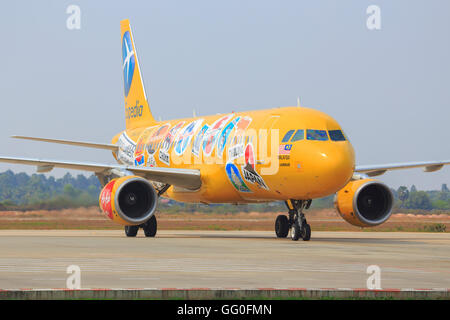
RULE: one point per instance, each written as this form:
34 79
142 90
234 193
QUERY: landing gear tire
297 221
150 227
306 232
295 231
131 231
282 226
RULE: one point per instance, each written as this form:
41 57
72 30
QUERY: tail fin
137 110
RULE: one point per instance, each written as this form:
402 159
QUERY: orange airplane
290 154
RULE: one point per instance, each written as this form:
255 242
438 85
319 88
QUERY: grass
219 226
325 220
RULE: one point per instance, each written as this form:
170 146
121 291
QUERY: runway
222 259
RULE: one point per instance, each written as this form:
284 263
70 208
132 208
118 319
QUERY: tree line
424 200
20 191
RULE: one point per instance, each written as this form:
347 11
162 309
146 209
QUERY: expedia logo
134 111
129 61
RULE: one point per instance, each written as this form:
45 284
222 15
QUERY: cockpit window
287 136
299 135
336 135
316 135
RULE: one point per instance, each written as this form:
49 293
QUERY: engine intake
129 200
364 203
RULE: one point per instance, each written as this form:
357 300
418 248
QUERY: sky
388 88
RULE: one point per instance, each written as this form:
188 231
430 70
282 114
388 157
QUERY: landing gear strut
296 222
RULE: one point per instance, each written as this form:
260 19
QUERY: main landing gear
296 221
149 227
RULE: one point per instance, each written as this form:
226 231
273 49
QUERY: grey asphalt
222 259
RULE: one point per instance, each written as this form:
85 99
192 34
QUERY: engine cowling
364 203
129 200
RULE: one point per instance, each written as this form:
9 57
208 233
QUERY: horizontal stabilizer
104 146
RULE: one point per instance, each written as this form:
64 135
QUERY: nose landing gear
296 222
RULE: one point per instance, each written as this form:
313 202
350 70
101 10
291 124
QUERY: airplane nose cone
335 167
326 168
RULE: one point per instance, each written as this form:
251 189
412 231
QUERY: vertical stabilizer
137 110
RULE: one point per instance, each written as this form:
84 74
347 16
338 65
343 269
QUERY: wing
376 170
111 147
184 178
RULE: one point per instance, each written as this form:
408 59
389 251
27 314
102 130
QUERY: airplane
291 154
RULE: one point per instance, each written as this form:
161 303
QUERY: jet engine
364 203
128 200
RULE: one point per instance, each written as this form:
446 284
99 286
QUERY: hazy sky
388 88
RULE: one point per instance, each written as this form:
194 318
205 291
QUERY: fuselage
266 155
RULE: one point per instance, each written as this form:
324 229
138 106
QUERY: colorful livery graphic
156 137
224 136
236 149
198 141
210 138
167 143
139 152
228 159
185 136
129 61
235 178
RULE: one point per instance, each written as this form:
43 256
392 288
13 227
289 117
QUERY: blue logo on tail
129 61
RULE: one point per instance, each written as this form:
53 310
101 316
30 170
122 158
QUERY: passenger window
320 135
287 136
299 135
336 135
